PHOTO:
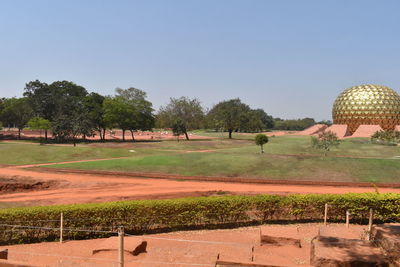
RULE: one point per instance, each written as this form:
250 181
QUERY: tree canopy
185 112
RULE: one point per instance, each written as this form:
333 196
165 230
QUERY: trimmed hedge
139 217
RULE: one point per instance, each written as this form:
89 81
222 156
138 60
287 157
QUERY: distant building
367 105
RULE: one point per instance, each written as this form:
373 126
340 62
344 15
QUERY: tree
73 124
267 120
95 111
227 115
129 110
261 140
293 125
141 110
17 112
178 128
38 123
55 102
188 112
325 141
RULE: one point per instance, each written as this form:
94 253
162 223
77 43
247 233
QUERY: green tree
188 112
16 112
129 110
95 111
228 115
56 102
38 123
261 140
140 108
178 128
325 141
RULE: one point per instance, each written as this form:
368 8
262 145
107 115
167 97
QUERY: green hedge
148 216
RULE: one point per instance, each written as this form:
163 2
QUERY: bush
147 216
388 137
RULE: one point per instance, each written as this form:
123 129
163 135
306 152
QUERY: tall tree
55 102
188 112
94 105
16 112
129 110
228 115
140 108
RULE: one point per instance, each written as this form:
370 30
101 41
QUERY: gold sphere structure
367 104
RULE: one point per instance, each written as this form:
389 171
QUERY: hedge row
139 217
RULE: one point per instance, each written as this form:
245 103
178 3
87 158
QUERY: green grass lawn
21 153
286 157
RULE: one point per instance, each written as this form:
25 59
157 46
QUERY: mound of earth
21 184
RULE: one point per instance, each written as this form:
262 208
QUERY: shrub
147 216
325 141
387 137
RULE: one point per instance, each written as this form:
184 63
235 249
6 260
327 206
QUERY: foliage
93 103
325 141
178 128
16 112
293 125
261 139
128 110
227 115
146 216
38 123
186 112
387 137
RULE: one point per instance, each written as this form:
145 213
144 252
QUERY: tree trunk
104 134
74 141
262 149
133 137
187 136
101 134
45 134
123 135
19 133
230 134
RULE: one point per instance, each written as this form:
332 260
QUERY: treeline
69 111
296 125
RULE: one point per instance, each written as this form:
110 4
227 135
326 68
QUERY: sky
290 57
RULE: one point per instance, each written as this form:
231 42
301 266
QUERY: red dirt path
171 249
87 188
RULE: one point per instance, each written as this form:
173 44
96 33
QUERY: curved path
85 188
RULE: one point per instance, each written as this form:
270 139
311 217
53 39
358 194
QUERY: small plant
387 137
325 141
261 140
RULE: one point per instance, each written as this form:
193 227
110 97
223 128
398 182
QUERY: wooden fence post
326 214
121 234
347 218
370 221
61 227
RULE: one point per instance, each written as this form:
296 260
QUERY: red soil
315 129
366 130
114 135
339 129
186 248
87 188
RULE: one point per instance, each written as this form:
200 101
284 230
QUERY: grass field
286 157
20 153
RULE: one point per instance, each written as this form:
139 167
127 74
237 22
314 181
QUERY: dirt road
86 188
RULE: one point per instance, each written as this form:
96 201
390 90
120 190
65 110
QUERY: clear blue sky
291 58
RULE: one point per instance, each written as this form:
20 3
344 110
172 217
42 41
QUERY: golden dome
367 104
